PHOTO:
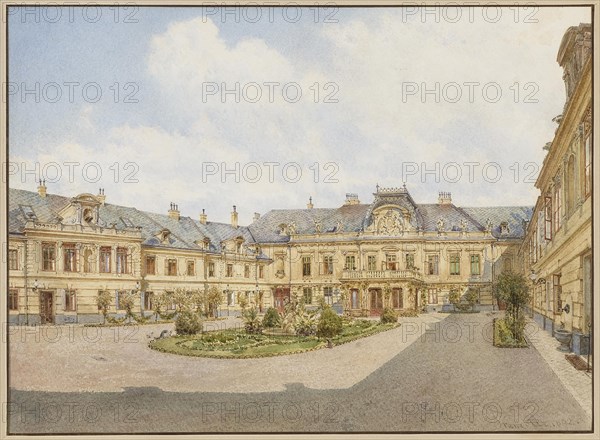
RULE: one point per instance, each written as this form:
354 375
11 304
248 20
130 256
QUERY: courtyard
435 372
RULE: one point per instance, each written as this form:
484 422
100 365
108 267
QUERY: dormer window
504 229
163 236
88 215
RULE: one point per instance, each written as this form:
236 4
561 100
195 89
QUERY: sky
264 108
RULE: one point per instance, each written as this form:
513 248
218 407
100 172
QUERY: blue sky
373 64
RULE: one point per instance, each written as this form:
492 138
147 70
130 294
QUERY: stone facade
358 257
556 253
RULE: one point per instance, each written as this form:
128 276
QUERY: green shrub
408 313
329 325
388 315
271 318
306 324
252 323
188 323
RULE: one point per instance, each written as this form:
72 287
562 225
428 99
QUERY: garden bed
237 344
503 337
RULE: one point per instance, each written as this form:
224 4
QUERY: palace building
556 253
64 251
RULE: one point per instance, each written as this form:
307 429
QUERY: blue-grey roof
513 215
187 233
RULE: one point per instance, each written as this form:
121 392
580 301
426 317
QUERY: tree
127 301
213 298
103 301
329 325
512 289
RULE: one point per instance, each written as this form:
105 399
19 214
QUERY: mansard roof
186 232
515 216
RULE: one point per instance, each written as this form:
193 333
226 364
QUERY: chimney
445 198
42 188
101 197
234 218
351 199
256 216
203 217
310 205
174 211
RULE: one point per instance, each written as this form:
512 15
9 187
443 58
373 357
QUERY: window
70 301
150 265
70 257
148 300
507 264
13 259
397 300
13 299
246 271
307 294
261 271
171 267
570 186
328 264
410 261
350 262
548 218
475 266
122 261
117 302
354 299
328 294
432 296
557 206
211 269
88 261
454 264
48 256
587 165
306 266
191 269
391 262
433 265
229 270
371 262
230 298
105 259
557 291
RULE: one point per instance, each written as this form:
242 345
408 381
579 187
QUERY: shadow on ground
448 380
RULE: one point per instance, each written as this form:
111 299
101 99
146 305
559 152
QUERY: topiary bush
388 316
271 318
410 313
188 323
329 325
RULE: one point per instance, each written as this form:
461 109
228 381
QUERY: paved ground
435 373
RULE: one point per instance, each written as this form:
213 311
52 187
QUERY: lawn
236 344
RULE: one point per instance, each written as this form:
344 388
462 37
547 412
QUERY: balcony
403 274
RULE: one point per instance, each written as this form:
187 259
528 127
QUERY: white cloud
370 133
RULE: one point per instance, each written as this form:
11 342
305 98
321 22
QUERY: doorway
376 301
47 307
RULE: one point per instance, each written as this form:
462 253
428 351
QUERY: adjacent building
556 253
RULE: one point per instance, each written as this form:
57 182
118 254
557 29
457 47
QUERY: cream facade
557 251
357 257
